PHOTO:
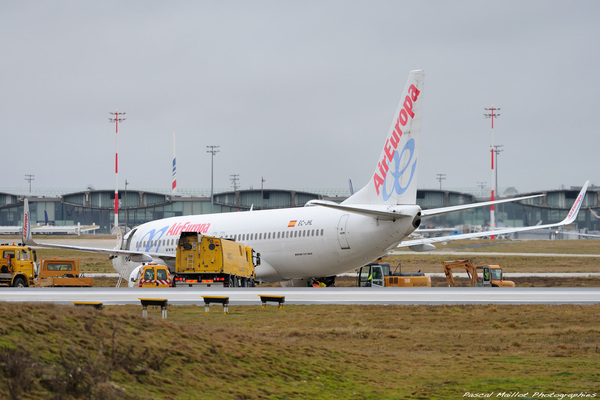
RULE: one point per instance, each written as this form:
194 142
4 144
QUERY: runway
250 296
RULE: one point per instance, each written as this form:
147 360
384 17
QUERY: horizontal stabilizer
388 213
445 210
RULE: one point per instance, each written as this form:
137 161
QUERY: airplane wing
426 244
74 229
10 229
68 229
26 231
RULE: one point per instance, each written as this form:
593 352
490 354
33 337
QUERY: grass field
317 352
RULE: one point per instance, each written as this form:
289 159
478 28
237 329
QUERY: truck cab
491 275
18 265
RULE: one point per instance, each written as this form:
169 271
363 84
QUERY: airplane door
128 243
342 234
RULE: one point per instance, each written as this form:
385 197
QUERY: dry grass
319 352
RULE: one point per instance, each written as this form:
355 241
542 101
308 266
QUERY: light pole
213 150
492 208
440 178
497 150
126 183
234 180
29 178
262 181
116 119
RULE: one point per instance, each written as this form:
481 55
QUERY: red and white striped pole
492 207
116 119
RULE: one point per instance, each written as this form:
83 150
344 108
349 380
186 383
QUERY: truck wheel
19 282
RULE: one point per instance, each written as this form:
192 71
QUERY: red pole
116 120
492 207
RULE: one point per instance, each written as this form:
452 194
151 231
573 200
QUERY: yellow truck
491 275
206 261
380 275
61 273
18 265
152 275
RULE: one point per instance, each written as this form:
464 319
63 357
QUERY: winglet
26 223
576 206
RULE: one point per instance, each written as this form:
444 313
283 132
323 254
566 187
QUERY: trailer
64 272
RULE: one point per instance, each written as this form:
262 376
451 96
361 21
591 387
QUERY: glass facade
138 207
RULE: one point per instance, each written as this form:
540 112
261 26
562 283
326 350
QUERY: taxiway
250 296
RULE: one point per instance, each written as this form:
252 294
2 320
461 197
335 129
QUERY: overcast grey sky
301 93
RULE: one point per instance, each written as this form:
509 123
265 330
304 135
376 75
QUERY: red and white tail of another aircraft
323 238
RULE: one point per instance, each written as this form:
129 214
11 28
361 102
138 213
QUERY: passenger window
149 274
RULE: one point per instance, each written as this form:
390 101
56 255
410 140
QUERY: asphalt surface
250 296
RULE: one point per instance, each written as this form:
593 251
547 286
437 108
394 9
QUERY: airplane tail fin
395 178
26 238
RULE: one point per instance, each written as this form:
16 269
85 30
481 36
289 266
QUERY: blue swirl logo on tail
399 172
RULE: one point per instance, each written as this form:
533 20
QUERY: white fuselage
294 243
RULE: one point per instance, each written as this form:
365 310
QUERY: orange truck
61 273
481 275
18 265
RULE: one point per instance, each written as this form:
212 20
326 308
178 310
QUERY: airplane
321 239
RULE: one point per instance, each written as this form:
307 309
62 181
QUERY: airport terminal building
136 207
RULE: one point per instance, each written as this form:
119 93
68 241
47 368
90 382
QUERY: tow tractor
379 274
